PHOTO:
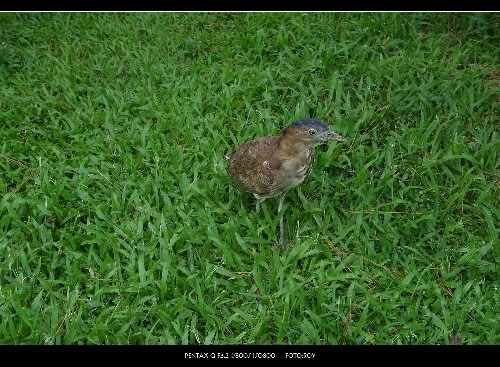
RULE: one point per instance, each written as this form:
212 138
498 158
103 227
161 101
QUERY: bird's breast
296 168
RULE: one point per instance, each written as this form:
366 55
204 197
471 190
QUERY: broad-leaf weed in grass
119 224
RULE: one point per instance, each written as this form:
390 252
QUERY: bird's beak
330 135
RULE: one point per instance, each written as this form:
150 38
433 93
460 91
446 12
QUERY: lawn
119 224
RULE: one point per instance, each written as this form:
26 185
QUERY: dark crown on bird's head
308 123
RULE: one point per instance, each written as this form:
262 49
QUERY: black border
249 6
339 354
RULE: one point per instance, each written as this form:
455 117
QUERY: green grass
119 224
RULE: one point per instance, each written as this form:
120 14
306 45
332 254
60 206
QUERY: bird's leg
282 224
259 199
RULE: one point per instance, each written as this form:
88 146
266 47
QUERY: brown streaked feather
247 168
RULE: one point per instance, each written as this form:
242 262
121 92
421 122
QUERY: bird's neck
295 149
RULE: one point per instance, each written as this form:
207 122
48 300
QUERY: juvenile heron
272 165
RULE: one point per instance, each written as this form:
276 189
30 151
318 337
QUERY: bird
270 166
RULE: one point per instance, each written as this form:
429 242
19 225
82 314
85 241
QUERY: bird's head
309 132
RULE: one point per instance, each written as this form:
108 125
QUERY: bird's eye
312 132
